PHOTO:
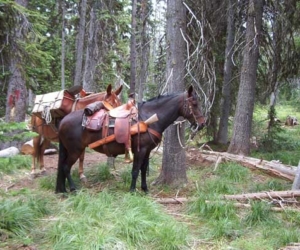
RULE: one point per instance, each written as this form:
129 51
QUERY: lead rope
179 124
46 115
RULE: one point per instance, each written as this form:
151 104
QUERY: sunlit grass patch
108 220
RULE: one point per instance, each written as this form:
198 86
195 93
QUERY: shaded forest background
51 45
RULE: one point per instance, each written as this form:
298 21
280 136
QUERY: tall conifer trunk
17 91
173 163
240 142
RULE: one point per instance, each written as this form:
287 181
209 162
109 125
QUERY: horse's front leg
137 163
144 168
45 144
36 149
33 166
134 176
80 169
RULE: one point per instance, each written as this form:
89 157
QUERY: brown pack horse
72 142
49 132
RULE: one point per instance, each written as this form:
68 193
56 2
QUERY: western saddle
100 115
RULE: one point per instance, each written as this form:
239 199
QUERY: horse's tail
61 177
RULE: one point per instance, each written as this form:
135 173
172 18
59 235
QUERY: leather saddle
119 118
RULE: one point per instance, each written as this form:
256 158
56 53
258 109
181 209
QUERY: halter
187 107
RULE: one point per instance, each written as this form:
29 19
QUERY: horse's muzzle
196 126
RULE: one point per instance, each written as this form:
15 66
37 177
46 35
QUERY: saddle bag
56 104
95 121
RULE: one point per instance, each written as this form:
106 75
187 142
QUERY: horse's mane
93 95
160 97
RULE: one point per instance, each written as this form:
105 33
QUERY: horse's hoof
83 179
33 175
59 191
43 172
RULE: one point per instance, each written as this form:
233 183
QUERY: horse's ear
190 91
118 91
108 89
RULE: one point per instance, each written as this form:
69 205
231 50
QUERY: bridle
187 108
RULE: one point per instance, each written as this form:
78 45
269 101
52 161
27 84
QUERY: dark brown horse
74 138
49 132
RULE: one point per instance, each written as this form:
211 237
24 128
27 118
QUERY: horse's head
112 96
192 112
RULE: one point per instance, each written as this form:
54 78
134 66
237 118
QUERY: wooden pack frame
58 103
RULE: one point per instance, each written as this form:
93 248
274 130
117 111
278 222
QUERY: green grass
107 220
110 217
286 144
11 165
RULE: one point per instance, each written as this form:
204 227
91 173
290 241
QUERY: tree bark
144 49
80 44
228 68
133 49
63 45
92 55
17 91
240 141
173 163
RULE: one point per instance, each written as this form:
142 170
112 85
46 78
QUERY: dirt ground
25 180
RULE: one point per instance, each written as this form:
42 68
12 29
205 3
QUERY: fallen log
182 200
27 148
9 152
264 195
248 196
296 183
273 168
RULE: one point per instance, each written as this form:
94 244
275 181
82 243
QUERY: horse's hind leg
60 181
138 163
80 169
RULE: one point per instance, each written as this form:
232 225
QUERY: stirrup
128 156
